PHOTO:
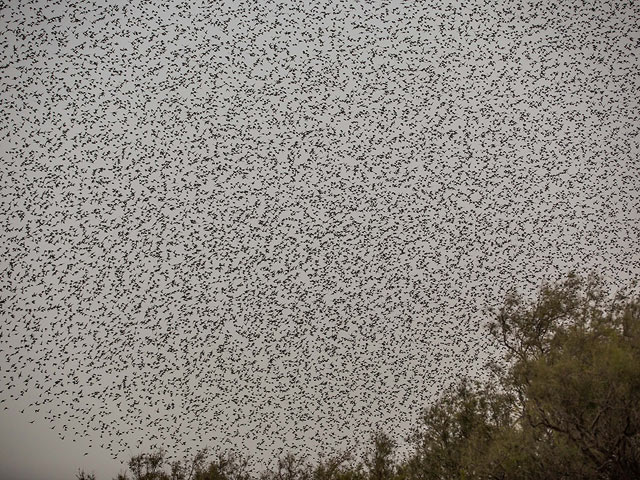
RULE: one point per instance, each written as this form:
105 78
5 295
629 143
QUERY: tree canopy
561 402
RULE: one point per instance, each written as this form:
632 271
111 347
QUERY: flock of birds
276 225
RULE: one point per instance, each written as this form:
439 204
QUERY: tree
197 463
227 466
380 460
455 433
564 404
147 466
136 464
81 475
177 470
153 463
337 467
561 402
576 373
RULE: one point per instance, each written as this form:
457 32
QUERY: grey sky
282 221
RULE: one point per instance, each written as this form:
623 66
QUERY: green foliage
457 429
577 372
147 467
81 475
562 403
379 462
566 405
337 467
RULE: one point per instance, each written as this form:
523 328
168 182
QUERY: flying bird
273 225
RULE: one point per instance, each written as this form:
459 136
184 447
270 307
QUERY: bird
285 220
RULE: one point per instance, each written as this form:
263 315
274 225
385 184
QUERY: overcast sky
278 225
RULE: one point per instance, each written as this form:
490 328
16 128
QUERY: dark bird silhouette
286 221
